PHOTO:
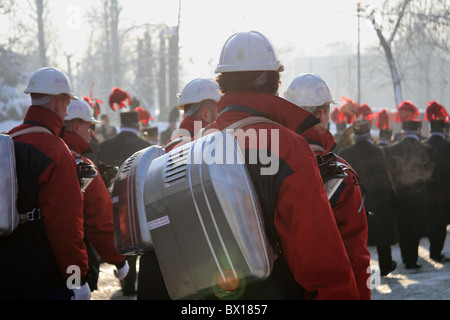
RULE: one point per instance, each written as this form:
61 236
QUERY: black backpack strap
309 122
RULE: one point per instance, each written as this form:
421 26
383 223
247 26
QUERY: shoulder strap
249 121
30 130
35 214
315 147
244 109
239 124
275 241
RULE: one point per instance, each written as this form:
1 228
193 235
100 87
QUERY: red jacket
97 208
187 130
294 200
48 181
348 211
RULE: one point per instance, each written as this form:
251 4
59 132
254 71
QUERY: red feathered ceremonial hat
95 105
406 112
436 111
119 97
144 115
337 116
382 120
364 112
350 108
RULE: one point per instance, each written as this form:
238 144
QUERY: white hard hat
80 109
309 90
248 51
50 81
198 90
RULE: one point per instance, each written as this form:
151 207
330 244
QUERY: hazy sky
306 27
295 27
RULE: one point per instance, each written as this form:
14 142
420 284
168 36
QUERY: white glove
122 272
82 293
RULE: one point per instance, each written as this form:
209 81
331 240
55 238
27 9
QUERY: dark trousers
151 284
409 246
384 258
129 282
438 233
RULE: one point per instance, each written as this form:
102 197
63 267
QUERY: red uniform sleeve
308 233
98 220
61 206
353 229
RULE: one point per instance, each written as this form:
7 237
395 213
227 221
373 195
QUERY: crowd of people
405 179
330 198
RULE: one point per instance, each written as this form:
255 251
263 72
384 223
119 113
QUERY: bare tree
28 23
144 84
386 44
429 24
5 6
424 43
111 53
162 74
40 5
115 48
418 27
102 63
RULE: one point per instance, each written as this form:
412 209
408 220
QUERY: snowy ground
431 282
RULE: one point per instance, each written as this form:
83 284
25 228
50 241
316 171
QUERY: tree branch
400 16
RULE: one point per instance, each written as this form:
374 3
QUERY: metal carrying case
205 220
131 234
9 217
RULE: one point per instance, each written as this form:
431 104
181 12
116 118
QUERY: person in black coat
414 180
114 151
368 161
440 147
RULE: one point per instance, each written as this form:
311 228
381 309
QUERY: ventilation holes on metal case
128 164
175 169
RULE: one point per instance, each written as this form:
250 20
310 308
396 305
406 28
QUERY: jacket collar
127 129
438 134
411 136
320 138
271 106
76 143
188 124
39 116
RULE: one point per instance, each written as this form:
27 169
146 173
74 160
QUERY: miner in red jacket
97 203
311 259
46 252
198 99
312 93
